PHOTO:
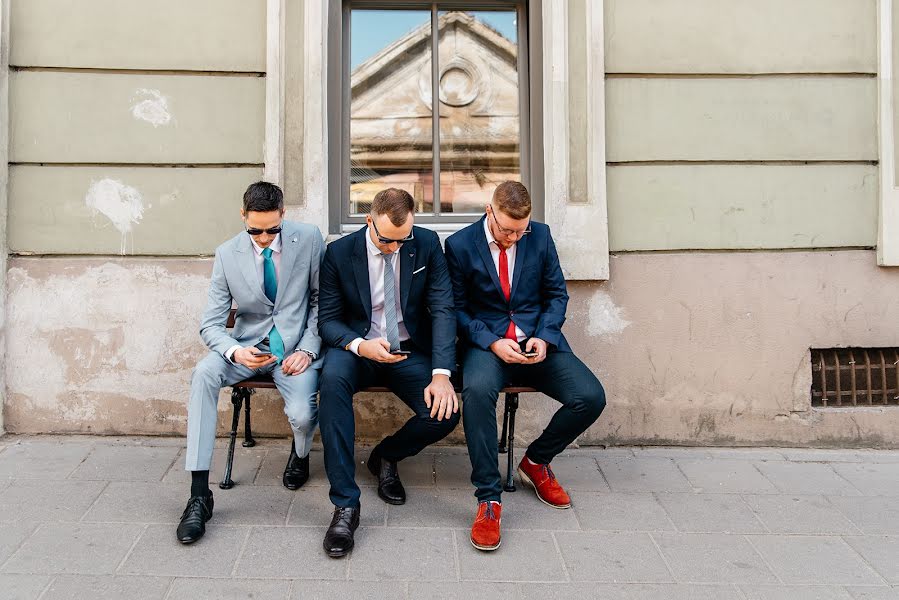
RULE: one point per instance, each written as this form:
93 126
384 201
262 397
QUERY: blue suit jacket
426 295
539 297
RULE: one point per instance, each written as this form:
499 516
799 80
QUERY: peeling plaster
151 106
120 203
604 316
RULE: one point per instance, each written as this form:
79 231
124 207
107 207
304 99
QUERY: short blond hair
513 199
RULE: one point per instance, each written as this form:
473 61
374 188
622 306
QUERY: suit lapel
290 248
246 260
520 249
407 262
484 251
360 270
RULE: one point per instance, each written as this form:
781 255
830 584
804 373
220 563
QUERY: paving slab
14 534
312 507
612 557
872 479
348 590
415 471
751 454
795 592
141 502
464 590
288 552
159 553
873 515
453 470
822 455
523 510
713 558
272 470
84 548
726 476
23 587
124 463
881 552
800 514
644 475
806 478
247 462
579 473
107 587
710 513
382 554
252 505
630 591
522 556
28 500
42 460
229 589
873 592
814 560
620 512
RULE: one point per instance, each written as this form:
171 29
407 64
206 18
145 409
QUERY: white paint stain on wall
120 203
151 106
604 316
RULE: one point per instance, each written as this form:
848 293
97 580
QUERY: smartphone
262 354
530 354
400 352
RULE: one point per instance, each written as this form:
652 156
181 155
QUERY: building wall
742 198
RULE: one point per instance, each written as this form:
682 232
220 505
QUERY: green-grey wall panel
737 36
207 35
126 118
127 210
673 207
767 118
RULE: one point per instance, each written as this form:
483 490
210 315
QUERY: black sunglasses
385 240
270 231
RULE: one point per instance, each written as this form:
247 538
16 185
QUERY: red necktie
507 289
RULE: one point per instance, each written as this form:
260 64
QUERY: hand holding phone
261 354
400 352
530 354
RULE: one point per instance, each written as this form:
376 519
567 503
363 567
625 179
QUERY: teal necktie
270 285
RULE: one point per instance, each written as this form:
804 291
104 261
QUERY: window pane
391 141
479 106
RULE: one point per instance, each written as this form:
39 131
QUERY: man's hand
378 350
440 397
508 351
296 363
247 357
538 345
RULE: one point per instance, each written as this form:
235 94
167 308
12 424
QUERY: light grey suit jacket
295 310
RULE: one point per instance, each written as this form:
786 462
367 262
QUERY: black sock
199 483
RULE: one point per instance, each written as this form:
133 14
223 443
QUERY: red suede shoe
485 531
543 480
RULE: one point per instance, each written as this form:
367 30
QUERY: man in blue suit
270 271
510 299
386 318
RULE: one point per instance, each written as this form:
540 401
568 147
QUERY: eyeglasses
270 230
506 230
385 240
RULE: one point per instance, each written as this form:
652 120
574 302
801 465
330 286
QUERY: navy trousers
561 376
343 374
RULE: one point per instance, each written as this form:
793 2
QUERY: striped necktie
392 331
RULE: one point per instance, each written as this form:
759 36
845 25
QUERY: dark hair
512 198
263 196
395 203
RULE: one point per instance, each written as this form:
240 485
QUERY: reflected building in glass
391 114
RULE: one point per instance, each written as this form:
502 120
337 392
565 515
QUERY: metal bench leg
504 437
511 407
248 441
237 398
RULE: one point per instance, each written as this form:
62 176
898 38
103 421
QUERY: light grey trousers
215 372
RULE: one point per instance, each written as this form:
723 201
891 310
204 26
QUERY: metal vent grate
848 377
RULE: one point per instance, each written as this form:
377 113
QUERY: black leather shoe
339 537
390 488
297 470
193 519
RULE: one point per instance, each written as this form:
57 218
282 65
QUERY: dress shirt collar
275 245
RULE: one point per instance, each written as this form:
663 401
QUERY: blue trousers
561 376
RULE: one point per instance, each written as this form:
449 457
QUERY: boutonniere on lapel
293 240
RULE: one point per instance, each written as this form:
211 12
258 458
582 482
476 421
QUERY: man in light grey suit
271 272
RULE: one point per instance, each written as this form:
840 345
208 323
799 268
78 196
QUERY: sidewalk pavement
95 517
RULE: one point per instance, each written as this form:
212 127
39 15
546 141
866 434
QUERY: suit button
511 313
276 312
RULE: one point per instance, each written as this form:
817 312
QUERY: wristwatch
311 354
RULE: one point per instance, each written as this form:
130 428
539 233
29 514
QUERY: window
449 154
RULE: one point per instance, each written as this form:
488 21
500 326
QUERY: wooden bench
240 398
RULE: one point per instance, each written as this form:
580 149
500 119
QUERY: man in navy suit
510 301
386 316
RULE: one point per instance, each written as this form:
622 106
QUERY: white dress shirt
378 326
510 256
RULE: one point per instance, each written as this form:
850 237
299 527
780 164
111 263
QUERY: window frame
338 81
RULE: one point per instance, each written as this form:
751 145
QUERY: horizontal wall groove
849 75
105 71
142 165
785 163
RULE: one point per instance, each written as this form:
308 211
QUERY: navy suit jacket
539 297
426 295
